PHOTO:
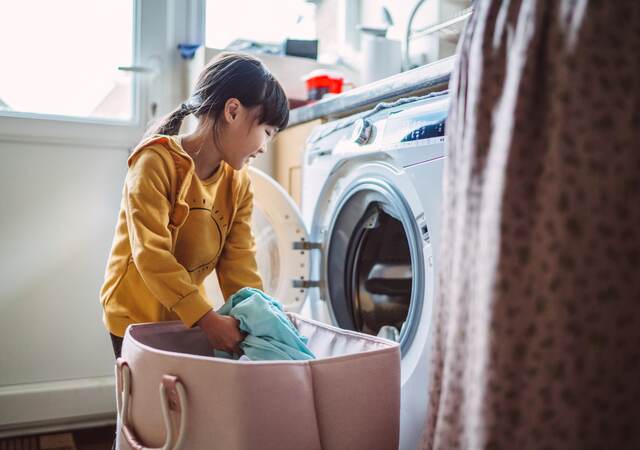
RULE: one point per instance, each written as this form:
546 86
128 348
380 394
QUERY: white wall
57 225
58 216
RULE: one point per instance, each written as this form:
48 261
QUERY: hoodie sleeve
147 209
237 267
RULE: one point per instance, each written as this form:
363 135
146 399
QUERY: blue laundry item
270 333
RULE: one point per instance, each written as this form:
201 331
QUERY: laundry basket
173 394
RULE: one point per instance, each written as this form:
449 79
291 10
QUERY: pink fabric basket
173 394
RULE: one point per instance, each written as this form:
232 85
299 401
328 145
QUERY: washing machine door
282 242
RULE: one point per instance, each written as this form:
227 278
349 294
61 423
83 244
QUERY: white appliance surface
397 170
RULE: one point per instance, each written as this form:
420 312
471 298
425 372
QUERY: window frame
19 126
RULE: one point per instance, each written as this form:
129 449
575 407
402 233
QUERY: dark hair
231 75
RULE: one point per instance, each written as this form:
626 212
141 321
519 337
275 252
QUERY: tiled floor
89 439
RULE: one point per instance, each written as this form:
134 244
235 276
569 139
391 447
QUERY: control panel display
427 131
413 125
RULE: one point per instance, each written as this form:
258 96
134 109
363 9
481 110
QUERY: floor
89 439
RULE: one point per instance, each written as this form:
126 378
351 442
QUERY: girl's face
242 137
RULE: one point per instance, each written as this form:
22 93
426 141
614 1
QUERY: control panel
416 123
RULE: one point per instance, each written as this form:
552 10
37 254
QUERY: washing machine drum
369 273
372 259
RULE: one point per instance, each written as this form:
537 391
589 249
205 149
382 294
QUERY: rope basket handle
173 397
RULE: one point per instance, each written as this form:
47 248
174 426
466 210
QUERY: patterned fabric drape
537 330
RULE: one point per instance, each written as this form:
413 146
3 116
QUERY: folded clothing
270 333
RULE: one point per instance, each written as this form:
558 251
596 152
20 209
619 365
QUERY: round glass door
375 263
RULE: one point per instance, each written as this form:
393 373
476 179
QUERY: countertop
421 80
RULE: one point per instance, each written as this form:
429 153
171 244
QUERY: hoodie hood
184 168
170 143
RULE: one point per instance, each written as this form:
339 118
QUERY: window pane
62 57
258 20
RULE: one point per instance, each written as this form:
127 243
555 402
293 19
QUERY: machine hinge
305 245
304 284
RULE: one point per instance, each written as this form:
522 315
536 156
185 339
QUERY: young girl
187 202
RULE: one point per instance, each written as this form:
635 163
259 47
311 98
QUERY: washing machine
362 251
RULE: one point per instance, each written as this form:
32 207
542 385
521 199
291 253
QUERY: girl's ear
231 109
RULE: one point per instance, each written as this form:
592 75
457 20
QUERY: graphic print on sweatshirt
201 238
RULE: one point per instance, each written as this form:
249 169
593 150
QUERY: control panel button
362 129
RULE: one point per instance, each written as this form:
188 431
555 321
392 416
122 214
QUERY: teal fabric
270 333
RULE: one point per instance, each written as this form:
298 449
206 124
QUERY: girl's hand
223 332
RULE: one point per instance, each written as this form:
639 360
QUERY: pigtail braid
171 123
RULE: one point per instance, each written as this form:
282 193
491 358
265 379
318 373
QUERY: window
258 21
62 58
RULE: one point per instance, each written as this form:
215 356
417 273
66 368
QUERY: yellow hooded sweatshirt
173 230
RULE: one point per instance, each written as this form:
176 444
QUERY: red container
335 85
320 82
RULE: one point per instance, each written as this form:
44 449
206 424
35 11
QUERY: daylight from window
258 21
62 57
